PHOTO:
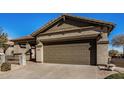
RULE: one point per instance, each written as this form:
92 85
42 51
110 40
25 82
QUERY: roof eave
108 24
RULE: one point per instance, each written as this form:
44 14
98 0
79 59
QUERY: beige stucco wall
63 26
9 51
102 53
28 57
102 50
17 49
39 52
1 50
78 34
104 37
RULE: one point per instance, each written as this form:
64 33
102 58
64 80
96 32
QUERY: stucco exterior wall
39 52
1 50
70 35
64 25
9 51
102 50
17 49
102 54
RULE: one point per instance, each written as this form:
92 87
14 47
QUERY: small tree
3 40
118 41
113 53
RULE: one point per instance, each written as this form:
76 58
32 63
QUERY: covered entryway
25 45
70 53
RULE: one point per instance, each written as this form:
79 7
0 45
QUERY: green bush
116 76
5 66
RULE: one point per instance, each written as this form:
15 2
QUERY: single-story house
70 40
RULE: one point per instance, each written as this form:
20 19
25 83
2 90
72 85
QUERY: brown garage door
76 53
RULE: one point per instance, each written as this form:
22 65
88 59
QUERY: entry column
39 52
102 49
28 51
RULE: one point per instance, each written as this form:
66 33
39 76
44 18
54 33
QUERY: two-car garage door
75 53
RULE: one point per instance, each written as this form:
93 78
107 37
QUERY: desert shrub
5 66
116 76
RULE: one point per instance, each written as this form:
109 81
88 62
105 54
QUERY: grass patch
116 76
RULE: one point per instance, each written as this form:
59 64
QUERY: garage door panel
78 53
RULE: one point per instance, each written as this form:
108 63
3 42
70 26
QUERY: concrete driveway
55 71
